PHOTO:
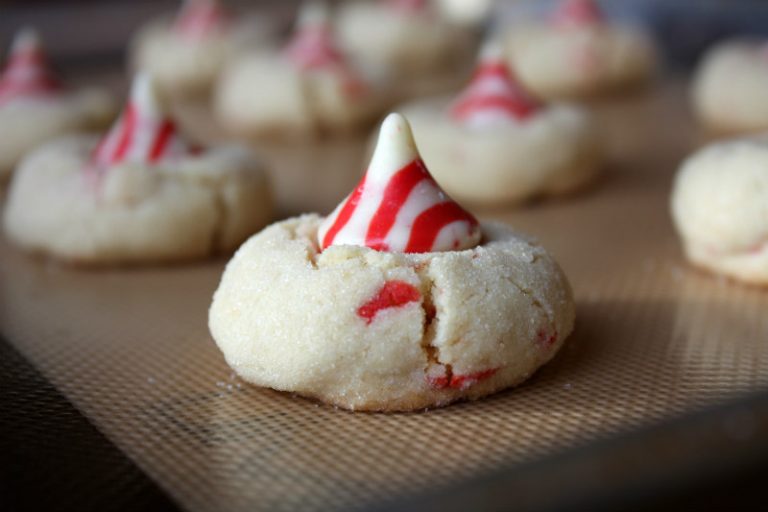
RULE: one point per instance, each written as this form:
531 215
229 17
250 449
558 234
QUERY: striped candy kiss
577 13
200 18
143 133
312 45
398 206
493 95
27 74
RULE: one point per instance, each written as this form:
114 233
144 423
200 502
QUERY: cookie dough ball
34 107
391 303
402 38
729 87
495 144
720 208
579 53
309 88
139 195
186 55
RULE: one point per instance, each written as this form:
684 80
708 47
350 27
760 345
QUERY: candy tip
143 92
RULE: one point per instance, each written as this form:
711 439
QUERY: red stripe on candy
395 196
393 294
431 221
126 136
167 129
344 215
518 109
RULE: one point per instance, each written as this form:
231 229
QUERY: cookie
728 91
140 194
309 88
408 42
35 106
579 53
720 208
496 144
185 55
399 300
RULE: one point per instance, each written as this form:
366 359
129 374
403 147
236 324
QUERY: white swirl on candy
398 206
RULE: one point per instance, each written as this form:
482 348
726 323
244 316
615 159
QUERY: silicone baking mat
654 338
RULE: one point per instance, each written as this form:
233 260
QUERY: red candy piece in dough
493 95
27 73
200 18
143 133
577 13
398 206
457 381
393 294
546 339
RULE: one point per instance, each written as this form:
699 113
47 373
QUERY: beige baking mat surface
654 338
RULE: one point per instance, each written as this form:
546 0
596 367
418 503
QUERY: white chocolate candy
27 74
494 96
143 133
398 206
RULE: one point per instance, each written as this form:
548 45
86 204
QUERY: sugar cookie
495 143
720 208
729 89
35 107
308 88
141 194
579 53
399 300
185 55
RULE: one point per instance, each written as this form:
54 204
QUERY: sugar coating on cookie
579 52
186 54
494 143
35 106
140 194
720 208
364 323
309 87
728 90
